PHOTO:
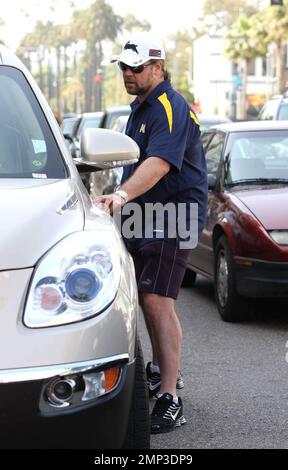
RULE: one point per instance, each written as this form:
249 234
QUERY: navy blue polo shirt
164 126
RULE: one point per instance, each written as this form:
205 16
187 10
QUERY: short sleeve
171 131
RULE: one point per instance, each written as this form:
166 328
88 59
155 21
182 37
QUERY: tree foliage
274 21
224 13
132 24
245 40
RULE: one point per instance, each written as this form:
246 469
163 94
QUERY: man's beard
135 91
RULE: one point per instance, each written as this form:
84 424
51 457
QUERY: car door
202 257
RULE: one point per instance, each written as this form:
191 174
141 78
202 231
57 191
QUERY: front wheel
231 306
138 430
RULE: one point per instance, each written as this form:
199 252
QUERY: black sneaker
154 381
166 415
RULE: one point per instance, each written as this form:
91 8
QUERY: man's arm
145 177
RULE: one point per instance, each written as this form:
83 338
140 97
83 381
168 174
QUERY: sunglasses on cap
138 69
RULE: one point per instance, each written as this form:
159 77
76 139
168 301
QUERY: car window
27 145
283 112
213 152
205 137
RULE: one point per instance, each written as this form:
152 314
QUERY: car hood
35 215
269 204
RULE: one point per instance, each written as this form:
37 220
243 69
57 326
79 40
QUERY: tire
231 306
138 430
189 278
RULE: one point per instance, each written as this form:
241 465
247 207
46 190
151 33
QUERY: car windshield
258 157
27 145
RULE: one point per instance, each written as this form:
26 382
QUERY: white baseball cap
139 48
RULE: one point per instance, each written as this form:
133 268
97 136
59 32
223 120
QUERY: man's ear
160 66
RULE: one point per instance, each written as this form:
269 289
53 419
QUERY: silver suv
71 369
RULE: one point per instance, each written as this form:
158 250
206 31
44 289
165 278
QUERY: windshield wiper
258 181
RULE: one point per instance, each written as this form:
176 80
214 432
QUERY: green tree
95 25
37 41
274 20
132 24
179 62
245 42
220 14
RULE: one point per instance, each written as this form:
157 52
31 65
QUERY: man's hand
109 202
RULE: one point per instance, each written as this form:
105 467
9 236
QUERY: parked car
71 369
207 121
244 245
275 109
87 120
73 139
107 181
68 126
120 124
112 113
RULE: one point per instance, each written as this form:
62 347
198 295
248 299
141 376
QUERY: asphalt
236 376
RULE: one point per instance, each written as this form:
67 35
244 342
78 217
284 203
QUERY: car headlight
279 236
77 279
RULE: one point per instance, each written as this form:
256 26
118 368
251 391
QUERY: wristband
122 194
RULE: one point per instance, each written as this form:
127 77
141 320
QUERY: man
171 169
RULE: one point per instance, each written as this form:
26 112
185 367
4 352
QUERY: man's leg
150 332
166 337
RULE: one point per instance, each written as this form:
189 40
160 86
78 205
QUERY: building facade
218 82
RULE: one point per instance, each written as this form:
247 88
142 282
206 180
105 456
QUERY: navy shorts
160 267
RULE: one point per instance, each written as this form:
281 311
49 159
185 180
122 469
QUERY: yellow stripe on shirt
168 108
192 115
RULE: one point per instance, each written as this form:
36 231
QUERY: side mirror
211 181
105 149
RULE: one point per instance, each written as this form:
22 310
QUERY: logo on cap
133 47
154 53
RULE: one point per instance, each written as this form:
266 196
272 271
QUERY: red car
244 246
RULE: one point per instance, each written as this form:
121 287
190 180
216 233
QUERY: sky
165 17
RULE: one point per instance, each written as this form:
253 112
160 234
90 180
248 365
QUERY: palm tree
274 19
224 13
94 25
132 24
37 41
244 43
